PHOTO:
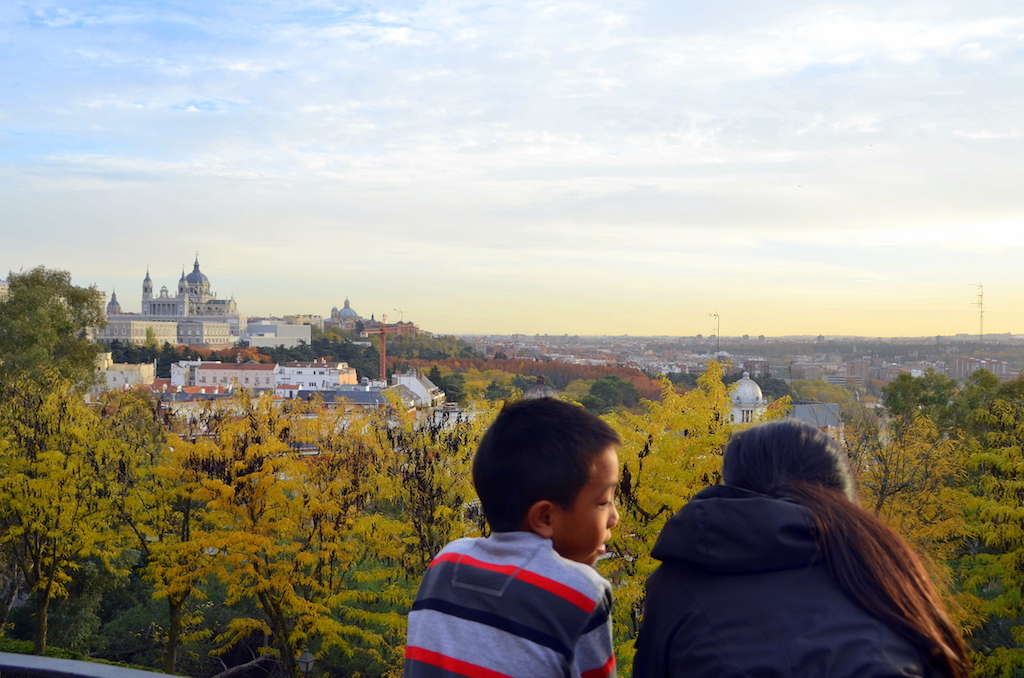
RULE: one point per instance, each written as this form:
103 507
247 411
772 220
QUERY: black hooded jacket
743 591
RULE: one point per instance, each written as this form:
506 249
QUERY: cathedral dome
347 312
113 308
746 392
196 277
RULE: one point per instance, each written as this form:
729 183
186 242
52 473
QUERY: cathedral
194 315
192 300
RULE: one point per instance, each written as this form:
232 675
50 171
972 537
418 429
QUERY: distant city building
757 367
238 375
860 370
183 372
133 329
194 332
823 416
5 289
318 375
747 400
198 317
372 327
964 367
426 392
314 321
345 319
121 376
113 308
267 333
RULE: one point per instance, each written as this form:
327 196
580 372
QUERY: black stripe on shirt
494 621
600 614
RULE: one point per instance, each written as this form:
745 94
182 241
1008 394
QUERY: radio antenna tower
980 303
718 331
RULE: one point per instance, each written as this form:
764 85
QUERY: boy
526 601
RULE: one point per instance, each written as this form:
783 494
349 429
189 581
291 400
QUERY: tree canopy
45 321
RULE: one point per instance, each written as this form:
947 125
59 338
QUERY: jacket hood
728 529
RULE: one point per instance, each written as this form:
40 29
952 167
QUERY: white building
314 321
121 376
270 333
318 375
137 330
426 392
205 333
747 400
183 372
237 375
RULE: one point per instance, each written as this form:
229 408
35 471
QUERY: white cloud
609 135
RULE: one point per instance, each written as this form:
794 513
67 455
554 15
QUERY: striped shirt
508 606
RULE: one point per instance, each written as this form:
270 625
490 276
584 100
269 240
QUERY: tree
283 528
58 478
931 395
997 516
496 391
157 508
453 385
670 451
45 321
913 477
614 392
430 477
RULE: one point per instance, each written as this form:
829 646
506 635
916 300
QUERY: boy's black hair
535 450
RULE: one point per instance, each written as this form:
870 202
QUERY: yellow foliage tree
912 477
266 527
57 484
155 506
670 451
430 482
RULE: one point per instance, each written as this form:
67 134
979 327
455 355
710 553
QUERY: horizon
600 167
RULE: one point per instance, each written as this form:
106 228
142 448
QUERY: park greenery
242 531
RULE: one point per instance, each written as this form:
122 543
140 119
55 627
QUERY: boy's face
581 532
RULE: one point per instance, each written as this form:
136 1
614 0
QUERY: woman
778 572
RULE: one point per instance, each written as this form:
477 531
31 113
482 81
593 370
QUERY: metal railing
34 665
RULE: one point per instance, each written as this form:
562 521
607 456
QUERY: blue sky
540 167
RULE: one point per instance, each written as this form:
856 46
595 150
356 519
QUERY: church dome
347 312
746 392
113 308
196 277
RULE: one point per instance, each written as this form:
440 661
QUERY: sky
522 166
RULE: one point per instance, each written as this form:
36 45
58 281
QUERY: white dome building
747 400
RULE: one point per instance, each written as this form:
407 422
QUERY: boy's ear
539 519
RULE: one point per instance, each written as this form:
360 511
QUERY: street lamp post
305 662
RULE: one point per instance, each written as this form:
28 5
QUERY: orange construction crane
384 349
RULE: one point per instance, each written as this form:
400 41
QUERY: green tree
496 391
453 384
46 322
614 392
930 395
995 570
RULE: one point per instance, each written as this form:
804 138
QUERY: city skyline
591 168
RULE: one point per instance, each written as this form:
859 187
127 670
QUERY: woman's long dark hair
870 562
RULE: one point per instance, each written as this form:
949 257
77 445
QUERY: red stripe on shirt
451 664
601 671
550 585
